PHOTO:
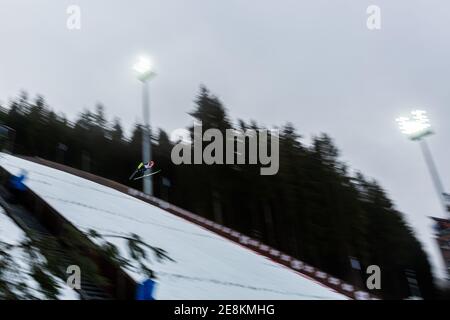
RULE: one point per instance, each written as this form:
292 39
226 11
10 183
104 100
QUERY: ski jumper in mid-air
145 166
142 167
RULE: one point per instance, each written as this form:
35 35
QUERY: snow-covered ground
16 266
202 265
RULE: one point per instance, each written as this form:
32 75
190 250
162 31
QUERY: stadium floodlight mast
417 127
144 71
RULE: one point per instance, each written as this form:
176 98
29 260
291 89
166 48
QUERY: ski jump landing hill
192 258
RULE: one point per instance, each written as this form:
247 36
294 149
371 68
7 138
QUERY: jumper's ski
146 175
136 171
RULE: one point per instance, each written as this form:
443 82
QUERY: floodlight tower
144 71
417 127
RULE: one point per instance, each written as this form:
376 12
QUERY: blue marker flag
145 290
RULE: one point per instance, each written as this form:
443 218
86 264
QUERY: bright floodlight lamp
143 68
417 126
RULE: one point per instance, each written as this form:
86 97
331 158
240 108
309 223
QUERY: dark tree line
313 209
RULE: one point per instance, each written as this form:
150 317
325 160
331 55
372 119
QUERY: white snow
9 231
205 266
19 269
65 292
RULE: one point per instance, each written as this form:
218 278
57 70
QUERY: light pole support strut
146 137
433 172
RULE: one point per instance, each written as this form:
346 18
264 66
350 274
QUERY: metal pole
146 137
433 172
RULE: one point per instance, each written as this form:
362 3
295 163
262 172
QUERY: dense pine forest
315 208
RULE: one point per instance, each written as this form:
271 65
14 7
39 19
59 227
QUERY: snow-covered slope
200 264
16 274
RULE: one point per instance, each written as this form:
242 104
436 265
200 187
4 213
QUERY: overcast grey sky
313 63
